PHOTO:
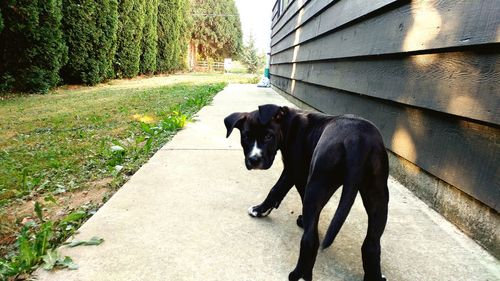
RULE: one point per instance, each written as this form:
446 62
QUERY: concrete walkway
182 216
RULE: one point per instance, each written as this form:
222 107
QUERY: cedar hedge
32 45
44 42
130 24
149 38
90 31
173 21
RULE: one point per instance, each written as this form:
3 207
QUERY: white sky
255 16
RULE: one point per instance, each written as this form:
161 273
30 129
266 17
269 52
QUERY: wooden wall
427 73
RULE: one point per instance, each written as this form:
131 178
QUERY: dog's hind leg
375 195
355 160
301 190
349 192
320 188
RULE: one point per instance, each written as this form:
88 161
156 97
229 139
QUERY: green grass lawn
61 142
69 140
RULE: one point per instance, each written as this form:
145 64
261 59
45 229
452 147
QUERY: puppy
320 153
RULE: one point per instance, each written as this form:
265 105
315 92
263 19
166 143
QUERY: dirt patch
6 136
145 82
72 87
73 200
12 217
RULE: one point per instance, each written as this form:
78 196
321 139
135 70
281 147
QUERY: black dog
320 153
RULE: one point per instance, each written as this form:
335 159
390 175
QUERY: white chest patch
256 151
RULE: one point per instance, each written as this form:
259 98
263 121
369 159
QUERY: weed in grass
52 259
38 239
94 241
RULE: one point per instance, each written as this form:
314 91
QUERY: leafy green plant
38 239
32 242
151 135
52 259
117 155
94 241
174 121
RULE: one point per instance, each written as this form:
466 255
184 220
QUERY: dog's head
261 133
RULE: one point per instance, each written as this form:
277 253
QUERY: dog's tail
346 201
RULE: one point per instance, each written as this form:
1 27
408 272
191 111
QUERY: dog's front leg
274 198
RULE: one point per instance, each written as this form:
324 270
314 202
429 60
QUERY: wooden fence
208 66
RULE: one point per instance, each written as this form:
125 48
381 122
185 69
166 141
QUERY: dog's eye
268 137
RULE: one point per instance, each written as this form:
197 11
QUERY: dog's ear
234 120
270 111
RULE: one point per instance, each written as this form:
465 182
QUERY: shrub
149 38
90 32
32 44
173 34
130 25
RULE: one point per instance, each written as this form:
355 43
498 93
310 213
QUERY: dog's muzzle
254 162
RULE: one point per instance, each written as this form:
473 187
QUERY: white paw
252 212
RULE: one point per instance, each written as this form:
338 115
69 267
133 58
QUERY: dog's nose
254 160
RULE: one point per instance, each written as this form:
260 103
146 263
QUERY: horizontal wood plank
417 26
463 153
465 84
304 14
288 13
275 12
342 12
274 16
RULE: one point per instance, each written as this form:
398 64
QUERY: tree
149 44
173 32
186 26
130 25
250 58
218 28
90 31
31 45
